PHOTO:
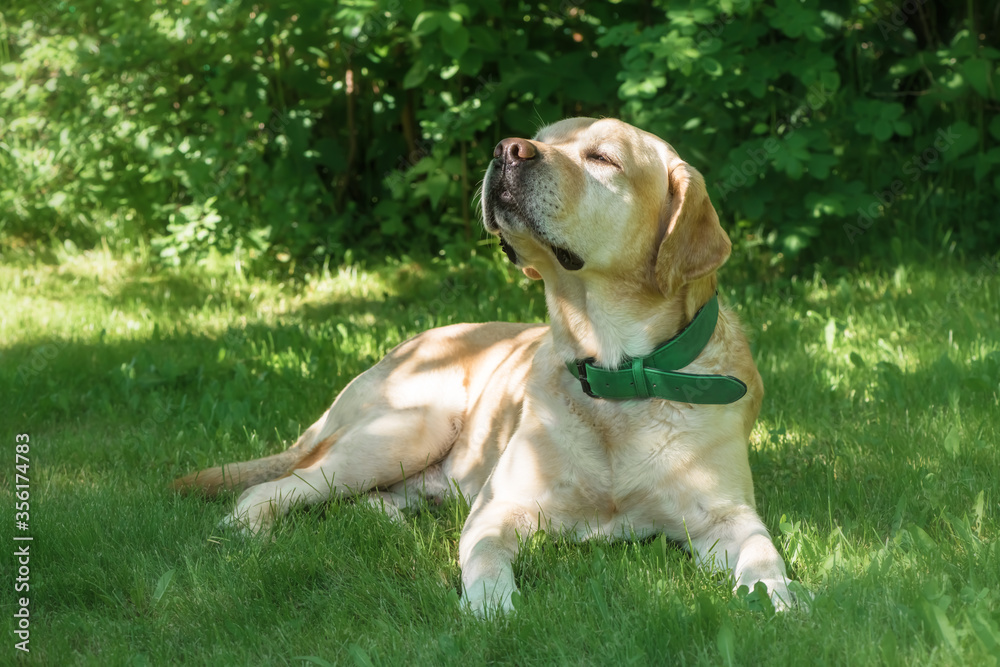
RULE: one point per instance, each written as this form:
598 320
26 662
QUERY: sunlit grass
874 460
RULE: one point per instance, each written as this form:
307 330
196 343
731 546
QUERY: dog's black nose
514 150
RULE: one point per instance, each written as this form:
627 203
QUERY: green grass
875 462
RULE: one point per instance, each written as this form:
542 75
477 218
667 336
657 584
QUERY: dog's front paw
489 598
786 595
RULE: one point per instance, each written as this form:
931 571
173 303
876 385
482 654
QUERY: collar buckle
581 375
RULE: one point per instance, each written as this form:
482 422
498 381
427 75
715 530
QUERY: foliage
824 121
309 129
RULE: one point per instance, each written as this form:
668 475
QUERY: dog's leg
504 513
739 543
375 452
431 484
487 550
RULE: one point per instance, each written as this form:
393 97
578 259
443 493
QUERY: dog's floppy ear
694 244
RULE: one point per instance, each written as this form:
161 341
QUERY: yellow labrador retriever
628 415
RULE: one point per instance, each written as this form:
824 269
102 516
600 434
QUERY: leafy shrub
832 125
292 130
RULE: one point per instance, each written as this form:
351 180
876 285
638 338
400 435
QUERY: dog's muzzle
513 159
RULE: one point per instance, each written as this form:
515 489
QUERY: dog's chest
627 479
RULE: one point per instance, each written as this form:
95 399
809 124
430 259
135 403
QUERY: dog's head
602 200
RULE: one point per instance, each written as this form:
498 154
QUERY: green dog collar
655 375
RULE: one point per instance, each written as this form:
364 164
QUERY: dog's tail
239 476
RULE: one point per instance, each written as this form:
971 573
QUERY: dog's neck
588 323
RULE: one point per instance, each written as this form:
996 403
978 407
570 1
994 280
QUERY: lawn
875 462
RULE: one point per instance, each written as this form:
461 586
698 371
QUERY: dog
626 416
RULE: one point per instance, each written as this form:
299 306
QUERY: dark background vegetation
296 132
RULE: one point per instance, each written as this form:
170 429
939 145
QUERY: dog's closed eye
596 156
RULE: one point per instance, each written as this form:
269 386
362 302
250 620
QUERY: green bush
291 130
829 125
